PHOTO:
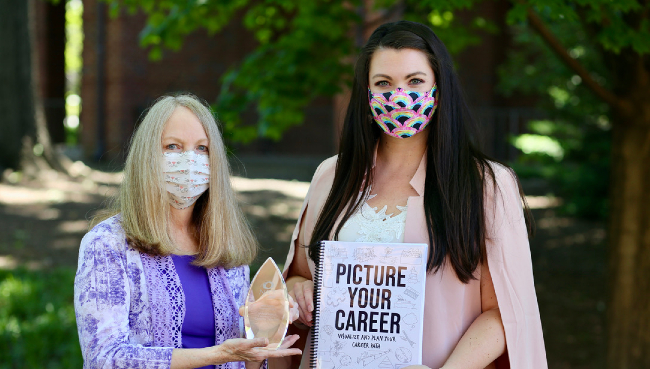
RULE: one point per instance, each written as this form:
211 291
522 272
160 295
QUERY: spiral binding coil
313 359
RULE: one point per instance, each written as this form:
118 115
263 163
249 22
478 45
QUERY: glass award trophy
266 312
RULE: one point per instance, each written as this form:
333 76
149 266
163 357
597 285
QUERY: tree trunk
52 33
629 300
16 104
22 116
45 157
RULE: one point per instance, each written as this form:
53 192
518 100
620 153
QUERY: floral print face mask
187 176
402 113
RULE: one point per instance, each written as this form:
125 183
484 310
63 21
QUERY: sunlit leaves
74 36
441 19
456 34
532 143
617 24
303 52
170 21
577 124
300 57
619 35
267 19
620 24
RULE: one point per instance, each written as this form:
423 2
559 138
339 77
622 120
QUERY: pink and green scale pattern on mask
401 113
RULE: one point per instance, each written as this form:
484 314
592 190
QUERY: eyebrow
174 138
415 74
407 76
381 75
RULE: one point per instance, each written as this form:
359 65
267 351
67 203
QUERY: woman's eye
382 84
172 147
416 81
202 148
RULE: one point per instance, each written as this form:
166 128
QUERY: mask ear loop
434 89
371 118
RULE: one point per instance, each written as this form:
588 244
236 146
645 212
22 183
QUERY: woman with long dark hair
419 177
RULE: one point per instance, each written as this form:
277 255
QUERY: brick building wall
132 83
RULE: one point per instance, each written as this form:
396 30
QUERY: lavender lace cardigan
130 306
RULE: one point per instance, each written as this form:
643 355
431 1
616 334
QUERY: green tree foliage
305 49
587 35
302 53
578 121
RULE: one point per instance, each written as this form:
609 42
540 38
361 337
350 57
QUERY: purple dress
130 307
198 326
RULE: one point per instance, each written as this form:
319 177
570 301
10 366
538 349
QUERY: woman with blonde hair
161 277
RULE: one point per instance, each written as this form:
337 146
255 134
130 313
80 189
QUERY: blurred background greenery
37 322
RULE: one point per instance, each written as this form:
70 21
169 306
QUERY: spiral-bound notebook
369 305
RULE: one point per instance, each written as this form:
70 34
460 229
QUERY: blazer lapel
415 230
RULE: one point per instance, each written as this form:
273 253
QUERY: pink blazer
451 306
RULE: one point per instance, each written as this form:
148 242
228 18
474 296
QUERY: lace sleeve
244 284
239 280
102 299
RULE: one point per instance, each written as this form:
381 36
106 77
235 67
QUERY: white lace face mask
187 176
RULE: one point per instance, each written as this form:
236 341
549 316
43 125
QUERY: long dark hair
456 169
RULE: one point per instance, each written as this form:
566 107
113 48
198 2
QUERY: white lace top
370 225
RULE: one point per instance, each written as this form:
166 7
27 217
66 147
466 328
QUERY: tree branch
555 45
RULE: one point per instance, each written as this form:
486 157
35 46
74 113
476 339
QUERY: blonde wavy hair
221 229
